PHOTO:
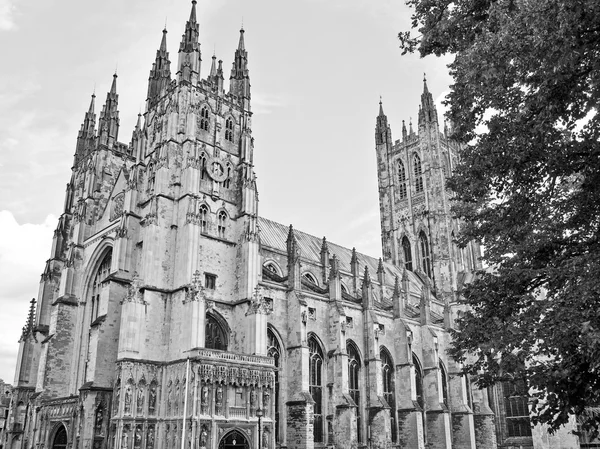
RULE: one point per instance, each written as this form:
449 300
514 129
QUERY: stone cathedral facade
171 315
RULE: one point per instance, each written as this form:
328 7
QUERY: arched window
274 350
354 384
227 182
344 289
204 120
444 383
96 288
203 218
310 278
316 386
229 129
60 438
389 392
215 335
222 218
418 173
516 409
418 379
425 256
273 268
407 253
203 166
401 180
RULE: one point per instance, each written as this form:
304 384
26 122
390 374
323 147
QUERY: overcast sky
317 69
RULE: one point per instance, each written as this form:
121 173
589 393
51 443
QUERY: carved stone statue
127 408
219 399
203 436
152 399
204 399
266 398
253 397
140 400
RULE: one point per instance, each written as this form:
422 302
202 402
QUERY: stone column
484 421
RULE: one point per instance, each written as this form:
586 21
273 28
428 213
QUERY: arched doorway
60 438
234 440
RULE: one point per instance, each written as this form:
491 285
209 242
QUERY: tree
524 100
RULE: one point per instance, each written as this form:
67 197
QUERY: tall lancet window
407 253
389 392
401 180
96 287
354 384
204 120
418 173
222 217
274 350
425 255
316 386
229 130
203 218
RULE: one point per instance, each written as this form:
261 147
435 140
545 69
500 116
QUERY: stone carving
152 399
137 441
98 421
117 396
135 293
117 206
203 436
253 397
140 399
204 399
219 400
127 401
266 398
150 437
125 437
258 304
195 291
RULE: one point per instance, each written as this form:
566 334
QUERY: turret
383 133
87 133
137 141
160 74
108 125
188 66
239 81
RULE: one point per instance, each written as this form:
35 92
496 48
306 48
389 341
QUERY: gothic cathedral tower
417 227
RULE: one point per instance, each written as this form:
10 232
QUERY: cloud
7 20
24 249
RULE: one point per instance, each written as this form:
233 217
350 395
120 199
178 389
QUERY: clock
216 170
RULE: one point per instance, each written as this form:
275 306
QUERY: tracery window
425 255
204 118
407 253
401 180
229 129
418 378
310 278
274 350
418 173
272 268
203 212
222 218
389 393
215 335
354 384
101 274
316 386
516 409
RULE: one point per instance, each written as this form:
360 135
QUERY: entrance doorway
234 440
60 438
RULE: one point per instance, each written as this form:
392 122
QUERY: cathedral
171 315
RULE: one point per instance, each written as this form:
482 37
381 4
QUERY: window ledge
98 321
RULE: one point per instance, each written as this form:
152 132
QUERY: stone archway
60 439
234 440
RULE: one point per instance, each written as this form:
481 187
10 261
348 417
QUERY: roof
274 235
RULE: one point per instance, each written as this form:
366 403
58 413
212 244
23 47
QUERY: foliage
525 101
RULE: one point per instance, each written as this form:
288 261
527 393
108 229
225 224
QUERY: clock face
216 170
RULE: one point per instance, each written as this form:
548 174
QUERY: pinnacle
425 89
113 87
241 42
193 12
381 114
163 42
92 104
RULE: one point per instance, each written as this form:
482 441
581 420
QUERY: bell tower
417 228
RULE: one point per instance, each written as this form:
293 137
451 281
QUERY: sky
317 70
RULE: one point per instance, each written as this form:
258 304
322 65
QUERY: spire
324 247
92 106
137 139
188 66
213 67
404 133
382 129
239 81
427 109
366 277
160 74
108 125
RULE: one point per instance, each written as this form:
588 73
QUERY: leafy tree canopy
525 100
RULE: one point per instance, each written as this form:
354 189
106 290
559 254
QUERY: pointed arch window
443 383
406 249
203 219
316 386
425 255
418 173
401 180
60 438
389 392
203 166
215 337
274 350
204 118
229 129
227 182
354 384
418 379
222 220
516 409
95 294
